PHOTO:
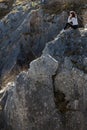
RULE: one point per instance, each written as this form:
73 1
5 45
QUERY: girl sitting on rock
72 21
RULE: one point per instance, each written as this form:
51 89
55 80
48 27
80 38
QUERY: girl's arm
69 19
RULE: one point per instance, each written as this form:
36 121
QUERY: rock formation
51 94
23 35
70 79
53 91
30 102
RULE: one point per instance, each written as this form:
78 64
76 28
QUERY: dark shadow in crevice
59 98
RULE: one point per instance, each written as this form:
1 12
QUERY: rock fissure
59 97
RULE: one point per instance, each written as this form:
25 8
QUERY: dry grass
59 6
12 76
5 11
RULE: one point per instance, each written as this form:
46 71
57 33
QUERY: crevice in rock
80 66
59 97
25 57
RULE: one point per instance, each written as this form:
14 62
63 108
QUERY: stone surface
53 91
52 94
69 44
69 48
23 35
30 103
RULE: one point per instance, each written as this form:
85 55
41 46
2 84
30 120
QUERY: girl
72 21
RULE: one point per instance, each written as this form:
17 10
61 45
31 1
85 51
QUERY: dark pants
70 25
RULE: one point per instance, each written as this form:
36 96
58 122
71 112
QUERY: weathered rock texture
23 35
30 103
52 94
70 80
57 6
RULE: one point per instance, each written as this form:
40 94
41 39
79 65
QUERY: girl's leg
68 25
75 27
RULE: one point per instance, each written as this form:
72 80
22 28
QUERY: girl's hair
73 13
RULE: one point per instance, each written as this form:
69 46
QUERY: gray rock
69 48
50 86
72 81
30 103
46 66
24 34
53 91
52 94
69 44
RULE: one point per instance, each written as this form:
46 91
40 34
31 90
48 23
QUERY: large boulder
69 44
30 103
70 81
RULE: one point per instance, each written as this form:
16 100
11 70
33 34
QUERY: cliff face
25 31
32 100
23 35
53 90
51 94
